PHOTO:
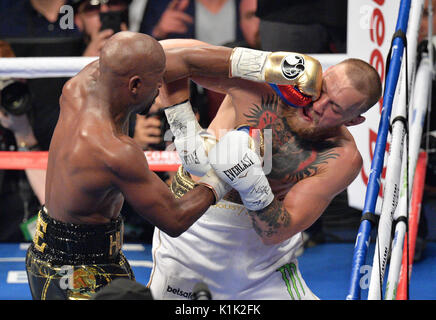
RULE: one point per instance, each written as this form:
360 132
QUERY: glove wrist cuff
213 182
248 64
181 117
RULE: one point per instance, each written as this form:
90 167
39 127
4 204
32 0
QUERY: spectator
249 25
87 19
148 132
306 26
23 23
136 12
212 21
33 18
33 29
17 199
423 30
25 141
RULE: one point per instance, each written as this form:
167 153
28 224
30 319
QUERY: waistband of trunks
75 244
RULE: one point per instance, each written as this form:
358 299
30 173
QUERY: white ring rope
54 67
42 67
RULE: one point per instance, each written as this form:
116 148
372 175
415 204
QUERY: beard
307 130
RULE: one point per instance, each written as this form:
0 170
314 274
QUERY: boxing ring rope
42 67
421 93
415 211
21 160
53 67
397 155
363 235
404 178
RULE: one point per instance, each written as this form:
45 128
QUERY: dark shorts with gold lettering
71 262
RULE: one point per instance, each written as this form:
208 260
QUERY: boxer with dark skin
93 164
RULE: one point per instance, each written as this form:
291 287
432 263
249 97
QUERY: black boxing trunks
68 261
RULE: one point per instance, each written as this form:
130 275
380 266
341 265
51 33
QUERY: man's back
78 177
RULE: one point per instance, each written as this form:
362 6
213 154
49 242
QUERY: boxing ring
406 102
406 164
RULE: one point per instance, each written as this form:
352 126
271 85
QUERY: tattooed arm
305 201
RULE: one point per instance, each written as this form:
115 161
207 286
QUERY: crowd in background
33 28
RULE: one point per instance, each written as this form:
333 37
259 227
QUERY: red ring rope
13 160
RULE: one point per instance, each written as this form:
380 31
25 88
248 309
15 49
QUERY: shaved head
129 53
365 79
132 65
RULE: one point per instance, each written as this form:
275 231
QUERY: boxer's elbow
271 241
178 224
175 229
174 233
270 235
274 224
276 239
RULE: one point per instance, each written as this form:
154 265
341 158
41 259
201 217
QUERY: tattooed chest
291 158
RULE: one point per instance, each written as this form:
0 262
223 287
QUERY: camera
113 19
15 96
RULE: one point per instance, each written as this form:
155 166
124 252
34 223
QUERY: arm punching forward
296 78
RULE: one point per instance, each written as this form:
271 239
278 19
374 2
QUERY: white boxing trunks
222 250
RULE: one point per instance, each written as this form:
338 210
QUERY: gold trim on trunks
114 243
41 229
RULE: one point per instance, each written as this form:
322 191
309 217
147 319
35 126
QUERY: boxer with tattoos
244 252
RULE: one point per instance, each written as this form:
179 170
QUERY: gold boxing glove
282 68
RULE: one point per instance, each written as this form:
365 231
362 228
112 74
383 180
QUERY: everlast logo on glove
236 170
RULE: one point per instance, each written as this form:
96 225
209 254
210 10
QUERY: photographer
21 192
98 20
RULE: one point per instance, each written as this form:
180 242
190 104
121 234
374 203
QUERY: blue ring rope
363 235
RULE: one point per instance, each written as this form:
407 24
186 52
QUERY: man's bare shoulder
351 149
349 162
124 157
80 81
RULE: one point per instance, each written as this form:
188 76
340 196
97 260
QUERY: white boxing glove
236 163
191 141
